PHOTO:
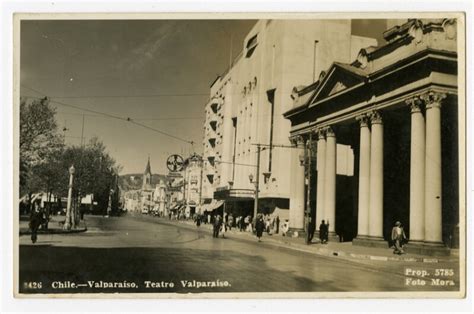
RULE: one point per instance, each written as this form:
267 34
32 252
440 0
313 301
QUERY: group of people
271 224
262 223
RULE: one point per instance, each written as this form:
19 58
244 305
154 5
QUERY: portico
394 110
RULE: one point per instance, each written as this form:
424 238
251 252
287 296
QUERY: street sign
175 163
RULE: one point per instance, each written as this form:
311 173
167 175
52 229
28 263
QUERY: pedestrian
277 222
230 221
36 219
267 224
285 228
323 232
246 222
223 228
216 226
198 220
259 226
398 238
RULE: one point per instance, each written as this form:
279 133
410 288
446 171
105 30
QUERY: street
147 254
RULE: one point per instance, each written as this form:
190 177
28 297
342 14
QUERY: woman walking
259 226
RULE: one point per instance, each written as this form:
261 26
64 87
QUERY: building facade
193 176
146 193
247 103
395 109
150 198
160 198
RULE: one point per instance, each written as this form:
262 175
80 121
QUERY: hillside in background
134 181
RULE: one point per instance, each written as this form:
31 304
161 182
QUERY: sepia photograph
240 155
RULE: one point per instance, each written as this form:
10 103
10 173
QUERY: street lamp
67 223
305 161
255 204
109 205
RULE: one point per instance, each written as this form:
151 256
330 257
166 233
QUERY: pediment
337 87
339 78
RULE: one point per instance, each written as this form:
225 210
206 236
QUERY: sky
156 72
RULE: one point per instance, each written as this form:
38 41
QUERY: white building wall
283 58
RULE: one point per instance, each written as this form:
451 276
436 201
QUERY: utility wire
134 96
128 119
136 119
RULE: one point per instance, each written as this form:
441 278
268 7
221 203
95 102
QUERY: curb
54 231
318 251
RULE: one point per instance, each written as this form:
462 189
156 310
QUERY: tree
40 145
95 172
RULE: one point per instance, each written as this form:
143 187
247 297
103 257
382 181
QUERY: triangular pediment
339 78
337 87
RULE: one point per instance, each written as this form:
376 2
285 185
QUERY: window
251 45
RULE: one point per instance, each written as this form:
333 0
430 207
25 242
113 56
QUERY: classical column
297 186
433 223
417 171
330 180
364 177
376 177
320 167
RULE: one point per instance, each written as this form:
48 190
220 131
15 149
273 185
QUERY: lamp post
256 182
67 223
305 160
109 205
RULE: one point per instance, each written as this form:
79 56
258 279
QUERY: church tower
147 176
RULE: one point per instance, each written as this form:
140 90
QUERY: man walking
323 232
398 238
216 226
36 219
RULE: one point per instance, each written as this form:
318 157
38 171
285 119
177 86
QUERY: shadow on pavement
244 273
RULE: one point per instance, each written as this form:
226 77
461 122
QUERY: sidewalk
55 226
333 249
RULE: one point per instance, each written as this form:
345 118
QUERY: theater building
246 108
393 115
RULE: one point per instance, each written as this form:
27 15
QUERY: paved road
146 255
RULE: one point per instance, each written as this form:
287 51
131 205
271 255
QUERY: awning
211 206
215 204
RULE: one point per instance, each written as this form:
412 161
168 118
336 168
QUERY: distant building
147 203
145 196
247 103
193 181
175 192
160 198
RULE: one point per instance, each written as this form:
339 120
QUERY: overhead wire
127 119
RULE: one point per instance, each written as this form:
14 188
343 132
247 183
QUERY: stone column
297 187
417 171
364 177
330 180
433 223
376 177
321 167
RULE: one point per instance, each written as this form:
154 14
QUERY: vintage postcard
240 155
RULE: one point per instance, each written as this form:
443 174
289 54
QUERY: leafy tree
95 171
40 146
39 140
